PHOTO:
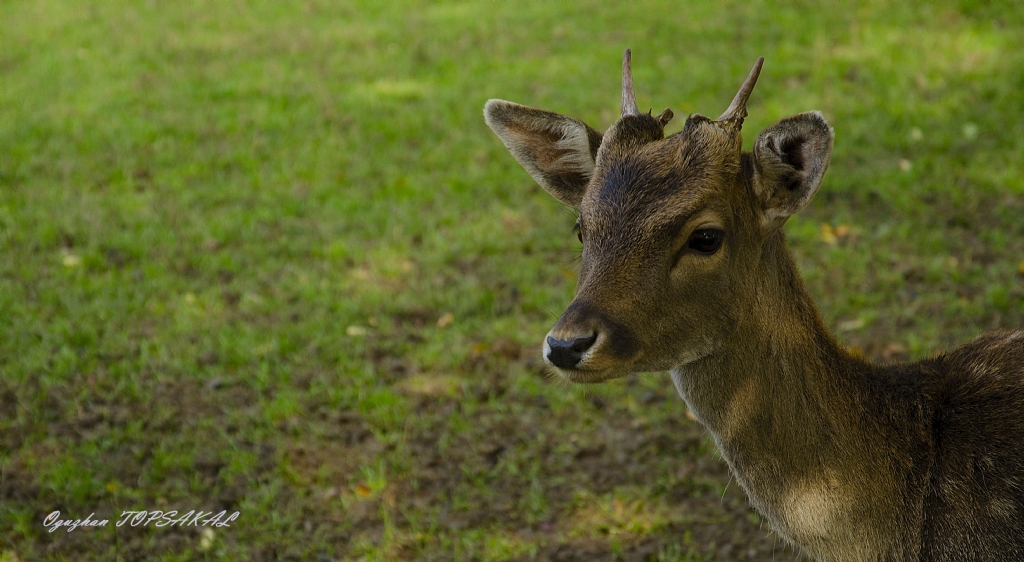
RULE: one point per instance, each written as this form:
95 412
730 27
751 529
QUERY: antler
629 106
738 108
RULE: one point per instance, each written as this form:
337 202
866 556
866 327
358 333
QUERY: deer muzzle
588 345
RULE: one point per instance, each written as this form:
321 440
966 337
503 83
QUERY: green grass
267 257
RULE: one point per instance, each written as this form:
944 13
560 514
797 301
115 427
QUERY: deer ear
558 151
790 159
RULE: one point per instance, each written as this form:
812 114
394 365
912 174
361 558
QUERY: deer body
685 269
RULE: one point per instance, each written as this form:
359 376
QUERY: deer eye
706 241
578 231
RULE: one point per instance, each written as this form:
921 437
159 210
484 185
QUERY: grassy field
266 257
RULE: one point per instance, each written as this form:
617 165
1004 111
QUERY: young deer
685 268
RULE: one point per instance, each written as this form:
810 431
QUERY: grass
266 257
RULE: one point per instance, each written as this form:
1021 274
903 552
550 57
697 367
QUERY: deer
685 269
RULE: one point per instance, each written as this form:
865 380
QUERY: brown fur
848 460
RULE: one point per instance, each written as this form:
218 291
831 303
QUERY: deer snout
566 354
588 344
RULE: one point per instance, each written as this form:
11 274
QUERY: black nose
566 354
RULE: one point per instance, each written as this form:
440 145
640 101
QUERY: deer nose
566 354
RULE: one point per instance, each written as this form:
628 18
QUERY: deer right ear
558 151
790 159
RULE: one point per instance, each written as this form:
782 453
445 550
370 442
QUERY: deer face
671 227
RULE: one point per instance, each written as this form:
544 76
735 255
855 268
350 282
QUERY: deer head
673 228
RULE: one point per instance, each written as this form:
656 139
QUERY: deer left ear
558 151
790 159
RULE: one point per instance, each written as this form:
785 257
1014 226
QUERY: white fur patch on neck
810 511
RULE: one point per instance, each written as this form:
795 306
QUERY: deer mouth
590 376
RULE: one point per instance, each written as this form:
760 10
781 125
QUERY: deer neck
780 399
778 395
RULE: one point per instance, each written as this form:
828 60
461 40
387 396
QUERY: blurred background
266 257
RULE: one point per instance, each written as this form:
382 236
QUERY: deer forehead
647 185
